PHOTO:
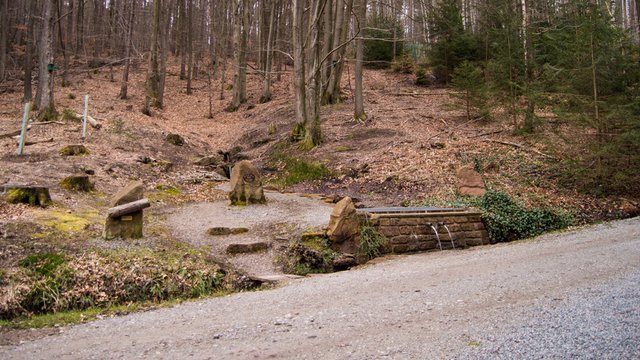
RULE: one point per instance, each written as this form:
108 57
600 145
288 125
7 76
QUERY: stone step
247 247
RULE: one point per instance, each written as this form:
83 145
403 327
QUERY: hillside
407 153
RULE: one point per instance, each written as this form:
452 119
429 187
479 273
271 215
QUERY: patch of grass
164 192
69 115
43 264
57 319
296 170
343 148
372 243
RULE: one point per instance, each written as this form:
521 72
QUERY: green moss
74 150
76 183
343 148
31 196
164 192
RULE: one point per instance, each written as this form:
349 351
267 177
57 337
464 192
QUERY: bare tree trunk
223 48
44 94
361 14
182 15
153 74
127 52
63 46
190 46
343 16
240 39
266 90
28 54
299 130
4 30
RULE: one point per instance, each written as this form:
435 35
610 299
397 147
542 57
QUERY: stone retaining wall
410 232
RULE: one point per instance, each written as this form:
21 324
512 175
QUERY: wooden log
13 133
93 122
128 208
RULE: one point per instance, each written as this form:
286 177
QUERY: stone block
399 249
407 221
427 245
126 227
402 239
406 230
474 234
468 226
389 231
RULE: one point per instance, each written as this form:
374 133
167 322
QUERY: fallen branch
27 143
93 122
455 128
520 147
485 134
12 133
47 123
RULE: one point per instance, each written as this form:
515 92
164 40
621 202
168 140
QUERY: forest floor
406 153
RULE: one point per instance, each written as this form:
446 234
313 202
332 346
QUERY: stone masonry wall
409 232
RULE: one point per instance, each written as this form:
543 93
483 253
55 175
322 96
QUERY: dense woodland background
522 61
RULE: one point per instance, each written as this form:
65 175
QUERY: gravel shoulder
562 295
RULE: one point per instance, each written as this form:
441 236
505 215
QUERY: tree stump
77 183
26 194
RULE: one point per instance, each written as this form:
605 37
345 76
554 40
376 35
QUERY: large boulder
127 226
470 181
344 227
246 185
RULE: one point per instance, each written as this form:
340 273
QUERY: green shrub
507 220
372 243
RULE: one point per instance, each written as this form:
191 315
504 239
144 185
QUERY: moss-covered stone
175 139
77 183
74 150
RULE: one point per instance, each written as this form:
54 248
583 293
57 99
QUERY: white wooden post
84 116
23 131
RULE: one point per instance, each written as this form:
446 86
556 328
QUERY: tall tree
44 95
241 28
4 31
127 50
361 17
154 81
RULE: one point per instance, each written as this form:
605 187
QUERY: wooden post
84 116
23 131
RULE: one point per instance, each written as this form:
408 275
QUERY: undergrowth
372 243
52 283
295 170
506 219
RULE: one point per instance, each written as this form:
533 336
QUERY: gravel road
570 295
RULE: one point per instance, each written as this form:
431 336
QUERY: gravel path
284 216
571 295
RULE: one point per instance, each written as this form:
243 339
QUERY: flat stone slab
275 278
247 248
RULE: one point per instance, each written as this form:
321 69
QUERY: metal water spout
435 231
453 246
